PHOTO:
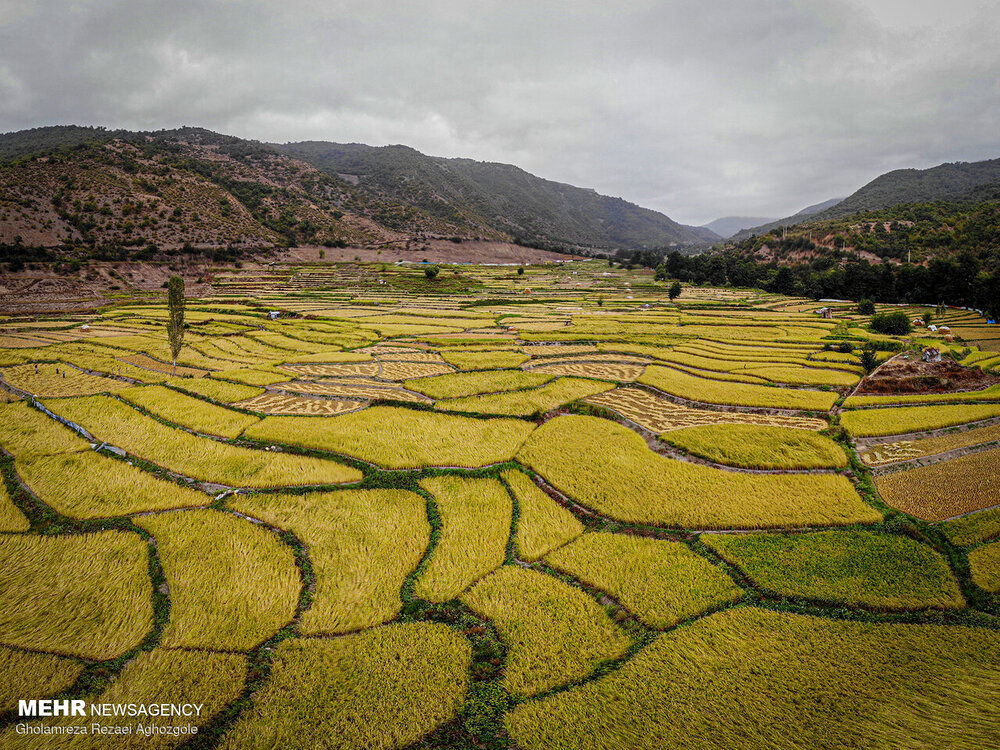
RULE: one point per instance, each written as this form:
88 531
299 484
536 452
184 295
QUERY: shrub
869 357
431 272
866 307
892 323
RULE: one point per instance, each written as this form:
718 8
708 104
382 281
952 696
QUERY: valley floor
549 509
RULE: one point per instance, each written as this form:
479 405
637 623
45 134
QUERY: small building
944 329
932 328
918 323
931 354
274 314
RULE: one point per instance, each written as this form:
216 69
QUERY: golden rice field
405 517
907 450
945 489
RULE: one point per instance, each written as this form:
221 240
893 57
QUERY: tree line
959 280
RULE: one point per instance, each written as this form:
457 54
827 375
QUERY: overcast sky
695 108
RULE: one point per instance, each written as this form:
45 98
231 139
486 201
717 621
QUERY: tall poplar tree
175 316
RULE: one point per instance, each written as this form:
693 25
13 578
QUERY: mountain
949 182
121 195
727 226
706 234
956 181
500 198
805 213
82 187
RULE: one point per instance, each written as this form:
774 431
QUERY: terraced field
588 517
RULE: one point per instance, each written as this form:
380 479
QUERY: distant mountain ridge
949 182
354 193
501 197
727 226
809 212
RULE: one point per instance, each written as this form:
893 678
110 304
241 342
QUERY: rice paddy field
539 511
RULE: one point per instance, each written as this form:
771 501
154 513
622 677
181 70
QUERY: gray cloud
697 109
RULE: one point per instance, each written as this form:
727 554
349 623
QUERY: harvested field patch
58 380
475 517
411 355
198 457
523 403
349 391
759 447
600 370
25 673
660 415
459 384
91 485
945 489
84 595
555 633
899 421
848 566
362 545
905 450
408 370
660 582
908 374
695 388
542 350
542 524
323 689
892 685
399 438
188 411
233 584
985 565
628 482
327 370
284 403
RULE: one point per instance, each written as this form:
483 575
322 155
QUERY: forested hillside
500 197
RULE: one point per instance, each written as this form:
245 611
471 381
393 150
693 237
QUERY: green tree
869 357
675 291
866 307
175 316
893 323
431 272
